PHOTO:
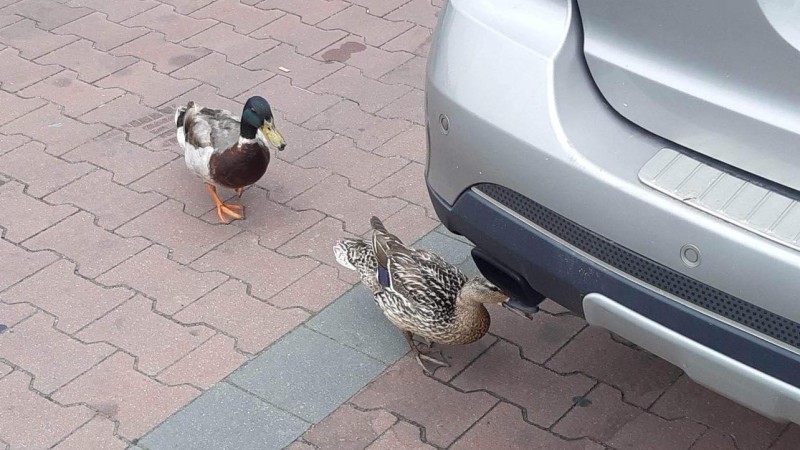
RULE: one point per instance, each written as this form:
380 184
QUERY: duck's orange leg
223 210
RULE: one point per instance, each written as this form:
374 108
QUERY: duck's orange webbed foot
225 211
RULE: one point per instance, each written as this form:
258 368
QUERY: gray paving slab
356 321
452 250
307 373
226 417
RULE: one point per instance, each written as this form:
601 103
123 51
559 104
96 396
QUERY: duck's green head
257 115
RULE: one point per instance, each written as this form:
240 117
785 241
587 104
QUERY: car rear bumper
749 370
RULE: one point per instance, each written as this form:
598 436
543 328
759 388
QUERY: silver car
639 163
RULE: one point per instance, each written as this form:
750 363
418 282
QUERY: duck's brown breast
239 166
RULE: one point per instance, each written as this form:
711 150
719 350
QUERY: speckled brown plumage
419 292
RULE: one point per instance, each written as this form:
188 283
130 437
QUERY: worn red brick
302 70
229 78
714 440
15 107
370 95
314 291
76 96
54 357
13 314
45 422
275 224
310 11
98 433
402 435
8 143
317 242
127 161
30 215
297 104
307 39
175 181
349 429
545 395
789 438
379 7
59 291
688 399
369 131
410 107
285 181
116 11
301 141
600 418
156 341
19 73
104 33
410 144
420 12
334 197
47 14
371 61
407 184
89 64
95 249
166 56
338 156
187 237
176 27
460 356
154 87
641 376
411 73
187 7
25 263
42 173
254 323
652 432
31 40
244 18
59 132
504 427
205 365
115 206
172 285
356 20
540 337
120 392
444 412
273 272
416 40
206 96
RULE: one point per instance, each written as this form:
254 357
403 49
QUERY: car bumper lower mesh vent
648 271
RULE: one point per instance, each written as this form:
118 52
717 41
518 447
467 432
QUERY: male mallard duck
419 292
215 152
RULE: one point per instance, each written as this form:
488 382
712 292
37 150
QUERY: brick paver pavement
122 299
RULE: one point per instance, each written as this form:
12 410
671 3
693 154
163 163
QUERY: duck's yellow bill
274 136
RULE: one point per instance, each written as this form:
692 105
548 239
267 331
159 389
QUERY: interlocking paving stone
226 417
355 320
31 40
349 429
98 433
307 374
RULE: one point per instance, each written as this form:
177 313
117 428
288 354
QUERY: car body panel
721 77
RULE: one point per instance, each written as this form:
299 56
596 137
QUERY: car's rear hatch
720 77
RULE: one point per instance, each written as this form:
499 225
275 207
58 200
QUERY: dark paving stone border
274 398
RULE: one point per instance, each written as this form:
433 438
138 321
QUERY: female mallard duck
419 292
215 152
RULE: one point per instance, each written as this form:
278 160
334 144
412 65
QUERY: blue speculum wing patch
383 277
